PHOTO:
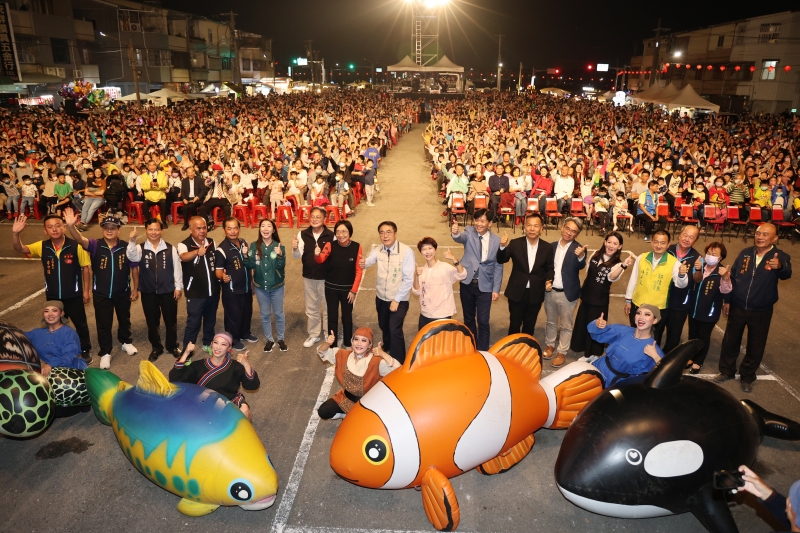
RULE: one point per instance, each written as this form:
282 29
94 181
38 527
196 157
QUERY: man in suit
531 274
484 275
569 258
193 190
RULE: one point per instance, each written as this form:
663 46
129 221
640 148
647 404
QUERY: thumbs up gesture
420 270
650 351
504 240
454 227
133 235
774 263
580 250
600 322
225 277
331 340
684 268
201 251
698 264
317 250
295 243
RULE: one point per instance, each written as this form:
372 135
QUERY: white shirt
558 262
484 245
532 249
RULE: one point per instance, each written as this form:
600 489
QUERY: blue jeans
270 302
12 204
27 201
90 206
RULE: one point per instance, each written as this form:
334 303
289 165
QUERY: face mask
647 167
712 260
36 175
27 182
718 184
612 181
763 187
738 182
602 195
778 193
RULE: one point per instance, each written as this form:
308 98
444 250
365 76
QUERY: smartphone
728 480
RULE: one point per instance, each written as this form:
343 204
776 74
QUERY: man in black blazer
193 190
569 258
531 274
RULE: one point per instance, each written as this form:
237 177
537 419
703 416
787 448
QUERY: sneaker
105 361
239 347
250 338
337 416
86 356
311 341
370 205
282 346
129 349
590 359
268 346
646 239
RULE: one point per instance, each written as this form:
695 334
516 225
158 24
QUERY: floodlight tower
425 30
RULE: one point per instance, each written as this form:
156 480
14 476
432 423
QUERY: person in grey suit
484 274
569 258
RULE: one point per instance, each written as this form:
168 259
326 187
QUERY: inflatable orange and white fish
451 408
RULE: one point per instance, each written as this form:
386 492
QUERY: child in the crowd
369 181
698 198
236 192
762 197
339 191
12 193
63 193
275 193
602 204
586 194
292 190
620 208
261 189
317 191
29 194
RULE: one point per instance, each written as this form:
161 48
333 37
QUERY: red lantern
677 65
709 67
722 67
770 68
688 66
752 68
699 67
737 68
787 68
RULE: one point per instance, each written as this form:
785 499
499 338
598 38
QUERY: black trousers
201 311
581 340
658 327
523 315
156 306
391 324
674 321
424 321
104 309
333 299
75 311
189 210
209 205
162 206
701 330
476 303
757 324
329 409
648 223
604 220
238 314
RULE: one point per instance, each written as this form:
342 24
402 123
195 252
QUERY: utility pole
499 61
519 80
310 57
656 61
132 57
235 72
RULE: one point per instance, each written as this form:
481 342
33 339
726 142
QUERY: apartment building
751 64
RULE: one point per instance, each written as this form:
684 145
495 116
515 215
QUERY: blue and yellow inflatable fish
187 439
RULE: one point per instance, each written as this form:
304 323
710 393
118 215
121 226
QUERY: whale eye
241 490
376 450
633 456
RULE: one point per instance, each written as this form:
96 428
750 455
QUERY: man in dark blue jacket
754 276
569 258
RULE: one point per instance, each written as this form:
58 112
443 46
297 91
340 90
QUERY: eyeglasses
385 233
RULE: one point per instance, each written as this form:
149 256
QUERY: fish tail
102 386
773 425
568 390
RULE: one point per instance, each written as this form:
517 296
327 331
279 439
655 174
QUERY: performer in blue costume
57 345
631 351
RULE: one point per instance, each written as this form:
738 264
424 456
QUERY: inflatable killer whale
649 447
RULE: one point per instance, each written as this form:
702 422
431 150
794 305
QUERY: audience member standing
237 296
154 186
303 246
754 275
569 258
532 274
66 273
202 286
395 276
647 213
481 287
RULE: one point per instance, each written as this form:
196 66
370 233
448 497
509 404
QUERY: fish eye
376 450
241 490
633 456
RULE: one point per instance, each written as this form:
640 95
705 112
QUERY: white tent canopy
688 97
444 65
172 95
647 95
554 91
406 65
132 97
665 94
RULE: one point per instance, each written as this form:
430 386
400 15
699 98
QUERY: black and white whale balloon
649 446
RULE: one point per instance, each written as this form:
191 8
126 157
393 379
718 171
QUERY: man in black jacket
754 275
200 279
531 274
193 190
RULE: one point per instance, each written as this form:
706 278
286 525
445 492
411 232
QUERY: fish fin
438 341
509 458
122 386
569 389
439 500
152 381
102 386
773 425
521 349
711 509
190 508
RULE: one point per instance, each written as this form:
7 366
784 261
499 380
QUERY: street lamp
677 54
132 58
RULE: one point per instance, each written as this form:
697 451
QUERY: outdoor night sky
553 33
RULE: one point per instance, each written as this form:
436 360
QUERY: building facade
746 65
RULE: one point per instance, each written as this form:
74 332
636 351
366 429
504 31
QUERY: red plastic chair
135 212
155 212
303 216
259 212
284 217
576 208
552 212
241 214
714 217
218 214
780 223
332 214
735 221
35 209
458 207
755 220
687 214
176 212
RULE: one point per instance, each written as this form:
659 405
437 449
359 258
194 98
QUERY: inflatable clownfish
450 409
186 439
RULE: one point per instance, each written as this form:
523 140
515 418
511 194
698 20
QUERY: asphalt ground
81 481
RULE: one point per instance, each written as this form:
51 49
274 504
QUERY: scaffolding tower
424 36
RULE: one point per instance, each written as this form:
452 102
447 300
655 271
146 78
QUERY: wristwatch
456 263
624 266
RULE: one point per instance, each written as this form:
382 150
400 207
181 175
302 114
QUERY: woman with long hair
267 257
605 267
94 196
